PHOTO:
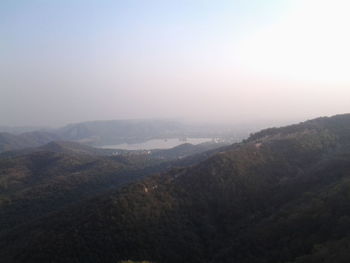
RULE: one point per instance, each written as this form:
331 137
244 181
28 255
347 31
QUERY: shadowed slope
273 198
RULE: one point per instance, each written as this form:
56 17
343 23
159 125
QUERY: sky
64 61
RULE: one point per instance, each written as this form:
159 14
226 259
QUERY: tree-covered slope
35 184
41 180
65 147
11 142
281 196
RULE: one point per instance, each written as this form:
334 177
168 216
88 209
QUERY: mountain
35 184
11 142
19 129
120 131
186 150
100 133
181 153
283 195
37 181
66 147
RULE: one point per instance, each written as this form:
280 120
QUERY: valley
279 196
174 131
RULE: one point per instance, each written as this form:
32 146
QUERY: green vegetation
38 181
10 142
281 196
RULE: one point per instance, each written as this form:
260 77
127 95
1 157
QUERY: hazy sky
74 60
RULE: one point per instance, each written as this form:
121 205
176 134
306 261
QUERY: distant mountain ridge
67 147
19 129
9 142
339 124
118 131
37 181
281 196
100 133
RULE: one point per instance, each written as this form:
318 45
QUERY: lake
156 144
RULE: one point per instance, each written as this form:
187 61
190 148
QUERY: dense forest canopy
282 195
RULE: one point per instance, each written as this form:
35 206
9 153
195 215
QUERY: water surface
156 144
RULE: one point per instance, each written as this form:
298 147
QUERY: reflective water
157 144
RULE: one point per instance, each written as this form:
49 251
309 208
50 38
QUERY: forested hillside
283 195
10 142
37 181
